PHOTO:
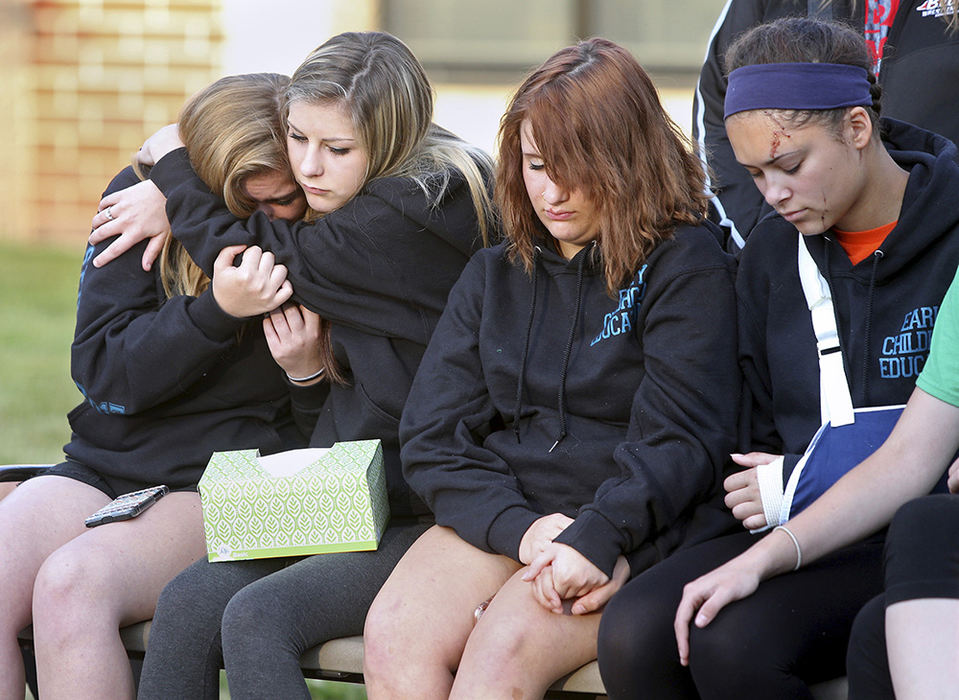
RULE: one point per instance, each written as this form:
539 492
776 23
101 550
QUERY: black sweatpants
791 633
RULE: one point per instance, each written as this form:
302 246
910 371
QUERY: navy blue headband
796 86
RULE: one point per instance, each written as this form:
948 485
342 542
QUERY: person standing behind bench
401 206
171 371
574 408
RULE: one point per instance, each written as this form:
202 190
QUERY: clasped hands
563 580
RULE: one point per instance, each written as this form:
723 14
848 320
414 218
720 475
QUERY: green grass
320 690
38 290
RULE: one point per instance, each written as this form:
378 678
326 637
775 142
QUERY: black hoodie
378 269
167 381
626 407
919 75
885 305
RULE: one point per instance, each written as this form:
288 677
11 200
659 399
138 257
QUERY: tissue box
294 503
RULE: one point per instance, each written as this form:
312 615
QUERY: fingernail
701 620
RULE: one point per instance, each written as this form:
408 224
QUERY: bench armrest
21 472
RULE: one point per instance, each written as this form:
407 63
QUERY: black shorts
922 555
112 486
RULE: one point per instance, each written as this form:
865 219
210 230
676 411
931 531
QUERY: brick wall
84 81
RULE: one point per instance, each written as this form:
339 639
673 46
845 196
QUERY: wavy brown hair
600 128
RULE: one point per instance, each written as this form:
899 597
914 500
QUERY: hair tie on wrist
304 379
795 542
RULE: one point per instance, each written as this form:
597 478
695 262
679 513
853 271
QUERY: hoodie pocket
376 410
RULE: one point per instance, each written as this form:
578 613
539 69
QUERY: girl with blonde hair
170 371
398 205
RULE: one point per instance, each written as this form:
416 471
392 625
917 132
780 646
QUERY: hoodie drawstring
876 257
529 329
561 399
568 351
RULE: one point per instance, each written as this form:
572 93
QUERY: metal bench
342 660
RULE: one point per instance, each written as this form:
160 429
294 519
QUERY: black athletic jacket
886 305
167 381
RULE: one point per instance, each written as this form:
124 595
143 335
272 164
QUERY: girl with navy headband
914 51
873 203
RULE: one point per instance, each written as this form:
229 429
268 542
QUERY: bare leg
108 577
7 487
419 623
36 519
519 648
922 639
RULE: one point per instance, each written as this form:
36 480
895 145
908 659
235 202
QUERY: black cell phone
127 506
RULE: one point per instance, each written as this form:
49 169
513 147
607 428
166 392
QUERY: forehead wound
774 119
780 132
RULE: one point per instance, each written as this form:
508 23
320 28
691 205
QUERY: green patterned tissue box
293 503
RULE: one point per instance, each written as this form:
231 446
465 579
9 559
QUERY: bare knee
401 658
68 593
6 488
60 581
381 637
497 653
16 592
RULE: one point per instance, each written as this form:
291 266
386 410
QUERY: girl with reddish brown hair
574 408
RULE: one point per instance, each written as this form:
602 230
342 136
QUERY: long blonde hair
390 101
232 130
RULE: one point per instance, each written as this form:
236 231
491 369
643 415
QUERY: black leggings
792 632
921 561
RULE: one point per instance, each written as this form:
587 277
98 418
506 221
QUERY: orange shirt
859 245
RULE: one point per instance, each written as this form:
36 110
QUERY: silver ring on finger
108 213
